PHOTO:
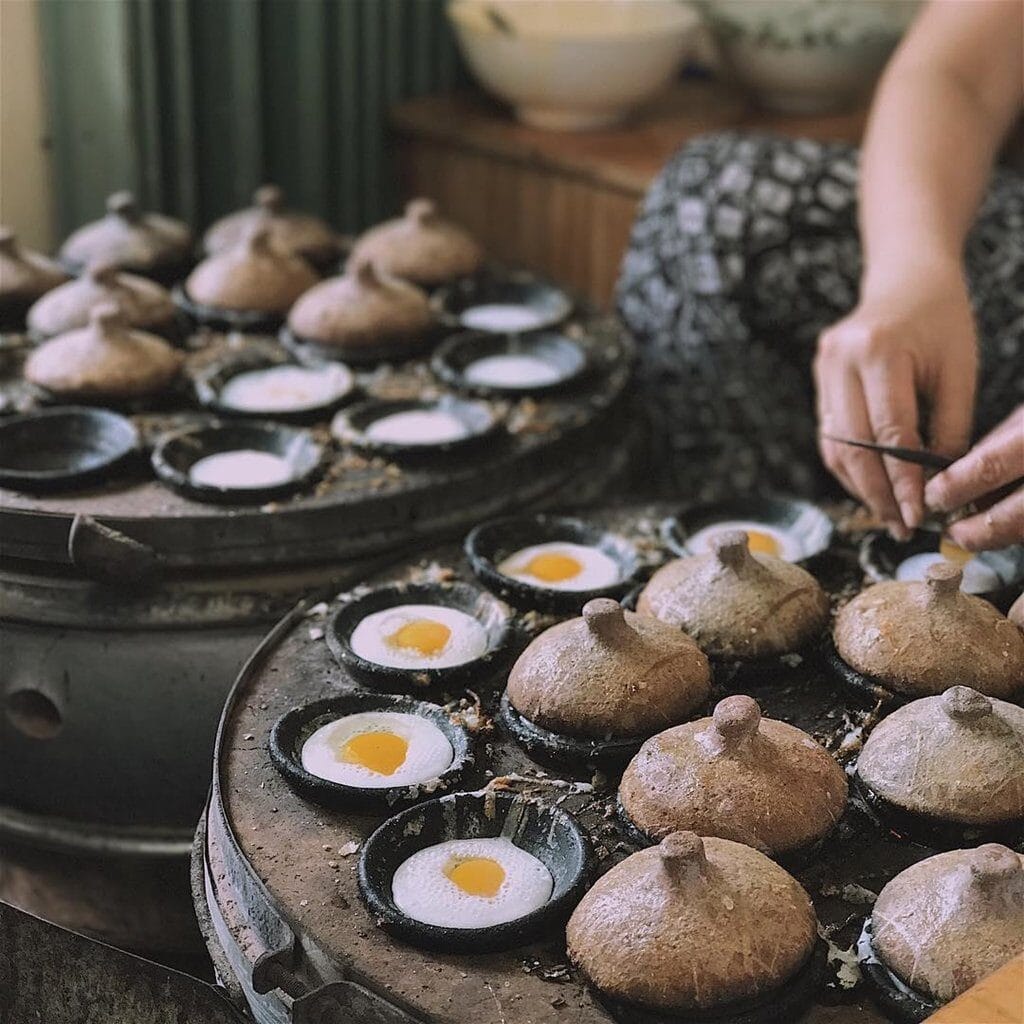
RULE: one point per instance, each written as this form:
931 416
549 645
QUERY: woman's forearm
940 113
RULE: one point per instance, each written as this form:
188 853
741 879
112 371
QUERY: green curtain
194 103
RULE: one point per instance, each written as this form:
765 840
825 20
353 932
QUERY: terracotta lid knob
421 211
606 619
736 720
994 866
105 317
269 198
366 273
102 272
965 705
8 242
257 239
123 204
943 579
730 548
683 857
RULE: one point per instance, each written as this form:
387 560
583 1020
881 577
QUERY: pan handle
109 556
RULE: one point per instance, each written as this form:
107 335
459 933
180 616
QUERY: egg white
468 640
501 317
285 388
244 467
978 577
421 889
429 754
511 370
789 547
417 426
598 570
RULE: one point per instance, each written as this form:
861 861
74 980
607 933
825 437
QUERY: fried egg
562 566
285 388
762 539
417 426
471 883
244 467
417 636
501 317
377 749
979 578
512 371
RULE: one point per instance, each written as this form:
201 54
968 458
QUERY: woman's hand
996 461
912 339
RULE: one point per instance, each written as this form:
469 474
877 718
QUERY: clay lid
948 921
690 925
251 277
1016 612
298 234
420 246
921 637
958 757
129 238
736 604
360 309
143 303
609 672
735 775
104 359
25 275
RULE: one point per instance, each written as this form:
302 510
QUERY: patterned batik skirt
744 250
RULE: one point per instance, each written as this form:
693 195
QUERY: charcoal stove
127 609
275 876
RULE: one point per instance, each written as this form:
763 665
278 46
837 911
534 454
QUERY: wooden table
999 999
563 202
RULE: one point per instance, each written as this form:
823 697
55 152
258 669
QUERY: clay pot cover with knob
919 638
103 360
956 758
1016 613
738 776
696 928
736 604
143 303
609 672
292 232
147 243
252 277
948 921
363 316
420 246
24 277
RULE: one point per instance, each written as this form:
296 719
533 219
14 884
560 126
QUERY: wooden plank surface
563 203
999 999
624 158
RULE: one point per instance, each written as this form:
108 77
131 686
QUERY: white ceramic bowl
808 56
574 65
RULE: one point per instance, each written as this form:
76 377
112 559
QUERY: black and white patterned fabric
745 249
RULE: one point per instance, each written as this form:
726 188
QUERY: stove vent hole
33 714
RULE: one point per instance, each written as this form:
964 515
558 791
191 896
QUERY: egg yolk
425 636
762 543
381 752
476 876
553 567
953 552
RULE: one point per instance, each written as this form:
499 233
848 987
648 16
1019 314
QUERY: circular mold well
64 447
493 615
294 728
809 527
548 833
564 360
175 454
490 543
